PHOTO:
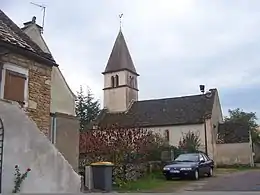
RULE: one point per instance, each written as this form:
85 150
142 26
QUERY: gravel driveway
237 181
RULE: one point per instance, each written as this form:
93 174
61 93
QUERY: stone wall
234 154
67 138
26 146
39 89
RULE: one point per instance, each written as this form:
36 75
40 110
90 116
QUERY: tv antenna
43 9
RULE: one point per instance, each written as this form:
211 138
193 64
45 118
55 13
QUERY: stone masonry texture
39 90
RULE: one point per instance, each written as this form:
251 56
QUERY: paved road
239 181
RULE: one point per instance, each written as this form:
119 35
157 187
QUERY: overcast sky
176 45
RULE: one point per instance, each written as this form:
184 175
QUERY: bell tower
120 78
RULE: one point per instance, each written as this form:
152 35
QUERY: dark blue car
192 165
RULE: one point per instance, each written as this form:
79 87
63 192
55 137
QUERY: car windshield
187 158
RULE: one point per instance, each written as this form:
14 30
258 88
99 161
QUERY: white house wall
34 33
216 118
62 100
26 146
176 132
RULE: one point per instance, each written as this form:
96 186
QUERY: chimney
202 89
30 23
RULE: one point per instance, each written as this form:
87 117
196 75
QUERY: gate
1 151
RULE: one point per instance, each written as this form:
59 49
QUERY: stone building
30 76
26 72
171 117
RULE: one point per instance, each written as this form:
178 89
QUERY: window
14 84
131 81
167 135
188 157
117 81
201 157
112 82
206 157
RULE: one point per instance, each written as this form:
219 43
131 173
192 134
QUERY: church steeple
120 78
120 58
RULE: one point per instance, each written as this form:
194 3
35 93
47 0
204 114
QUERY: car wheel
210 174
196 175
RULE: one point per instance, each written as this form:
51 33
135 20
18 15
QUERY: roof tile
11 34
120 58
162 112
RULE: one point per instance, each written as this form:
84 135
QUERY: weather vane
120 17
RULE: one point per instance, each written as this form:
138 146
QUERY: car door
211 162
207 165
202 165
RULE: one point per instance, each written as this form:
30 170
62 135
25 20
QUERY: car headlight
186 169
166 168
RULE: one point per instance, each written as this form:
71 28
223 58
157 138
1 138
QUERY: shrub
122 146
190 142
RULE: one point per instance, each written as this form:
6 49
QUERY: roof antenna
120 18
43 9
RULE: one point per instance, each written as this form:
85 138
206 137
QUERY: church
171 117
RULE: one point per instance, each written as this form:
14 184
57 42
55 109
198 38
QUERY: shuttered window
14 86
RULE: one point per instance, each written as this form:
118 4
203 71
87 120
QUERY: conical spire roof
120 58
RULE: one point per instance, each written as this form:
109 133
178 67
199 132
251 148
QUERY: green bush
190 142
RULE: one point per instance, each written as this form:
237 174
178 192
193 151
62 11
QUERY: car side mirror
202 161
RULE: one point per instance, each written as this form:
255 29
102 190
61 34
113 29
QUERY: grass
154 182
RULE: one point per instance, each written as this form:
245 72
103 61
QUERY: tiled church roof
162 112
120 58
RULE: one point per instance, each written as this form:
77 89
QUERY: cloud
176 45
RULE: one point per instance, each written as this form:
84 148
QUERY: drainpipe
53 128
202 90
206 138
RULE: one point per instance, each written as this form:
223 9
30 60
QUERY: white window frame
17 69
